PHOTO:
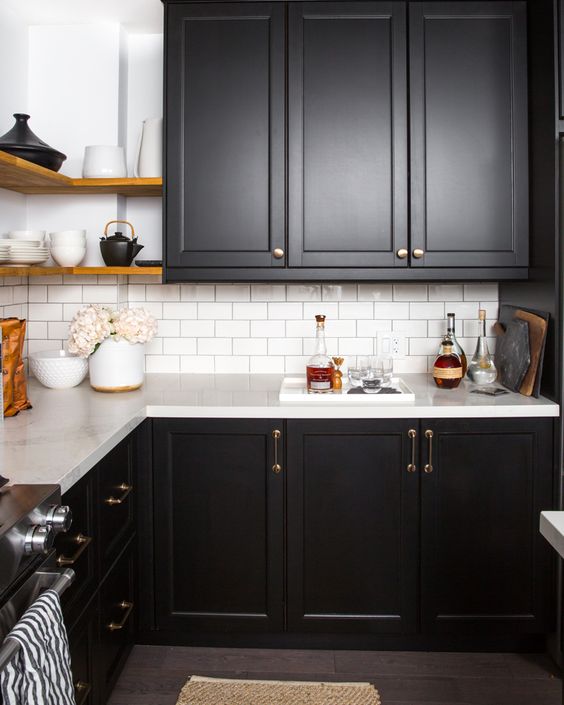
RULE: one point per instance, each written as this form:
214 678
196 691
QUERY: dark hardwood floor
155 674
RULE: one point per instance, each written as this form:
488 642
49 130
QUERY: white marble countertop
68 431
552 528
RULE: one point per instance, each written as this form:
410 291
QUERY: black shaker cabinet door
347 134
468 101
220 534
224 134
485 566
353 526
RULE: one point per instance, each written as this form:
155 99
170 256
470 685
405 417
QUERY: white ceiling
135 15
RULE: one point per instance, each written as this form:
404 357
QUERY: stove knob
59 518
39 539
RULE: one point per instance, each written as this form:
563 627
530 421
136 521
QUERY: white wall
13 99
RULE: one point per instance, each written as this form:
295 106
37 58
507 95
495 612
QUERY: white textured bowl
68 255
58 369
26 235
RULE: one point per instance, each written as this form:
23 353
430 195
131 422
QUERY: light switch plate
391 343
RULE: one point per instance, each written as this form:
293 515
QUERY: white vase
117 366
149 160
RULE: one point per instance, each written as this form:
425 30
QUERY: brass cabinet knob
278 252
417 253
402 253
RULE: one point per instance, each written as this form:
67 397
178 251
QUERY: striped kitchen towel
39 673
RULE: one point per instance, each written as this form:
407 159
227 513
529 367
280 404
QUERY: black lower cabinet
82 644
352 526
219 533
117 627
485 567
392 531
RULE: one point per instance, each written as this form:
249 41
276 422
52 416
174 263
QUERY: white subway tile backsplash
268 329
251 311
6 295
229 328
34 346
198 329
64 294
410 292
179 346
233 364
375 292
197 292
428 310
477 292
45 312
356 310
232 329
178 311
233 292
268 292
214 346
250 346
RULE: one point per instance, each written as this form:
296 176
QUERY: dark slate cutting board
506 314
512 354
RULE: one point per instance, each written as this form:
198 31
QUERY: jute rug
223 691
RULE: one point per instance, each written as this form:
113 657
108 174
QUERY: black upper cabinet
297 148
561 57
468 102
347 127
225 134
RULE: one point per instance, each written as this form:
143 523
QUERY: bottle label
447 372
320 385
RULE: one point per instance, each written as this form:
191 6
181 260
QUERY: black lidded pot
21 142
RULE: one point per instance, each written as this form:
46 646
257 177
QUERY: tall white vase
117 366
149 161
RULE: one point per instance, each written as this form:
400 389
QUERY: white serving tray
293 391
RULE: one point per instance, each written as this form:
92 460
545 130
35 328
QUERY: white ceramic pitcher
149 161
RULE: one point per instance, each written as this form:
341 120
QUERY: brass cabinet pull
127 606
278 252
81 692
276 468
412 467
402 253
429 436
417 253
82 543
126 489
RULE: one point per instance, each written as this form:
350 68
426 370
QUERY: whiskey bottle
447 370
481 369
456 347
319 370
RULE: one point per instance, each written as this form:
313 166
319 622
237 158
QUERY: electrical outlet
390 343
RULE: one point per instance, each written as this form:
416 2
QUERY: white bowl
58 369
68 255
36 235
57 234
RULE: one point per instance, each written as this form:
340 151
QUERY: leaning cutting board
537 336
512 356
506 314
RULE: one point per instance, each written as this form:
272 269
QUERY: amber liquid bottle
319 370
447 370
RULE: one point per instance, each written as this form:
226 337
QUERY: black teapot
118 250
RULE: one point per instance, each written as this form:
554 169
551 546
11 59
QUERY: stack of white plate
24 252
4 251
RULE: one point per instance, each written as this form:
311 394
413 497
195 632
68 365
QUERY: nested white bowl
65 236
58 369
26 235
68 255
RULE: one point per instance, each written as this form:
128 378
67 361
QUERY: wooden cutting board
537 336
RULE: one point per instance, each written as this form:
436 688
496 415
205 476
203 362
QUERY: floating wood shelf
35 271
25 177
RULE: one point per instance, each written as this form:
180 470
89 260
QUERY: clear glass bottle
319 370
447 370
456 347
481 369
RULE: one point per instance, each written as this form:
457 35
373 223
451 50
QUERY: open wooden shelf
25 177
35 271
